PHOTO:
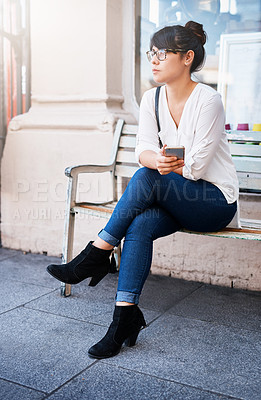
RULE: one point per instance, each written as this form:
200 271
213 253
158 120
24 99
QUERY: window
217 16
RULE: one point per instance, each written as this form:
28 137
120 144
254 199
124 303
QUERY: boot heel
131 340
143 323
96 279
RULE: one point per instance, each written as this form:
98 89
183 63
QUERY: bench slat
125 171
130 129
249 184
126 157
247 164
245 150
249 181
127 141
231 234
245 136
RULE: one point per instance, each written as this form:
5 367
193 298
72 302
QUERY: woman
198 193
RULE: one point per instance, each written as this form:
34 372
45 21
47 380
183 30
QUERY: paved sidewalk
202 342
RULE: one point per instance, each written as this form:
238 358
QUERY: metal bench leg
65 289
68 233
67 250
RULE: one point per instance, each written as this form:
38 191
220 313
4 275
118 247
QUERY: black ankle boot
125 327
91 262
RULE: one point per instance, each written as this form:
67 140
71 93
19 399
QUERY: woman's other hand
166 164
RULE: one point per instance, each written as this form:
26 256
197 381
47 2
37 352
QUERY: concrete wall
82 81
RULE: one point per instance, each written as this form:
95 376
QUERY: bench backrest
244 146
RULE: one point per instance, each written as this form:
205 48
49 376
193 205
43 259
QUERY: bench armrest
75 170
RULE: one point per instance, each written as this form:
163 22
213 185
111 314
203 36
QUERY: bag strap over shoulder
157 111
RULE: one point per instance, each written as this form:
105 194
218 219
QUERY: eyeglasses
162 53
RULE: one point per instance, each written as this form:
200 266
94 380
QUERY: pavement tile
204 355
12 391
14 294
27 268
92 304
161 292
106 382
223 306
44 351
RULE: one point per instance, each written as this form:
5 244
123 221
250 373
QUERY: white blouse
201 131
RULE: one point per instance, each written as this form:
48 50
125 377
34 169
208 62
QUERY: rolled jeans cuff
109 238
128 297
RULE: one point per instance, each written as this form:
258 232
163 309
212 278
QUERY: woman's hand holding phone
166 164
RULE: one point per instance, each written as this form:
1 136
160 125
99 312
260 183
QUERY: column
76 98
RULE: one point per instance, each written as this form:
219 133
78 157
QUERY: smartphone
178 151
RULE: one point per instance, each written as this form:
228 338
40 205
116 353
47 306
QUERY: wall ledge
77 99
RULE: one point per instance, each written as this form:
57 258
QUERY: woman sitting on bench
197 193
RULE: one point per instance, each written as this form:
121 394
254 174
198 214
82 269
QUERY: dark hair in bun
188 37
197 29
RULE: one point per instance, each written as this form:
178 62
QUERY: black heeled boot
125 327
91 262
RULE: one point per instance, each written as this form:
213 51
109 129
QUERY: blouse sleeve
147 137
208 134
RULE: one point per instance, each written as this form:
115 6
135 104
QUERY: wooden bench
246 151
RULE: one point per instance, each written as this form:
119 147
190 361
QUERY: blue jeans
154 206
